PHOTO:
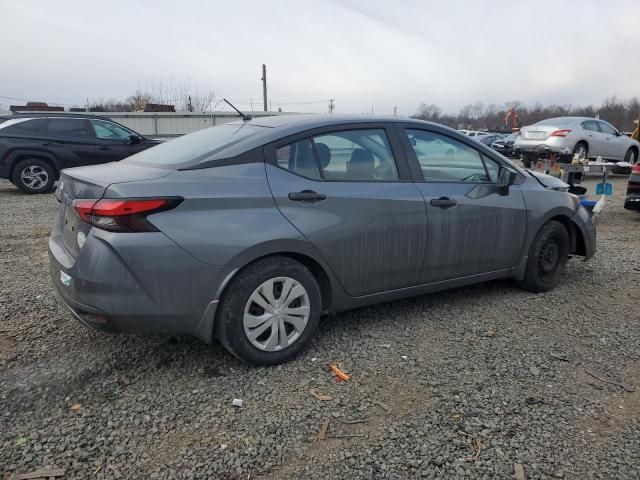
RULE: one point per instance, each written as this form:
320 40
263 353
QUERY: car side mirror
133 139
506 178
618 133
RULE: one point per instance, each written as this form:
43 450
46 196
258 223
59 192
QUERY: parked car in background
489 139
249 231
35 147
475 133
586 137
505 145
632 202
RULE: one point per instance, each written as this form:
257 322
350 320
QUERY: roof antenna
244 117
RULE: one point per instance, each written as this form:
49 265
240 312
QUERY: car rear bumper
554 144
582 221
152 288
5 171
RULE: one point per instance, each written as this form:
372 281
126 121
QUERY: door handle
307 196
443 202
104 148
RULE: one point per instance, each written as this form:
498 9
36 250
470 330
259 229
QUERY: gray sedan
249 231
584 136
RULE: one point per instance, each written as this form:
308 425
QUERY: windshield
194 147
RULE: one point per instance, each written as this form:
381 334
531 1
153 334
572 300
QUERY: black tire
528 159
229 325
581 146
631 156
547 260
42 180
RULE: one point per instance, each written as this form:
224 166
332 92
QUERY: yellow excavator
636 133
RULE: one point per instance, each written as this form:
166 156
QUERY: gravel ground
470 383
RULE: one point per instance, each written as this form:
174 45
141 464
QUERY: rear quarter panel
228 216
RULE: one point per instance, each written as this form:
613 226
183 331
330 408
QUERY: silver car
587 137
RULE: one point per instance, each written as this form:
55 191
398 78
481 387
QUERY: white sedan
584 136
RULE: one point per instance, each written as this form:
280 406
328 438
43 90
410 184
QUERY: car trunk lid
90 183
537 132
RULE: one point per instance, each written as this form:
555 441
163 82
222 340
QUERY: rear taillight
123 215
561 133
636 169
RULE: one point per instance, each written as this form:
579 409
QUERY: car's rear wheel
547 260
631 156
529 158
33 176
269 312
581 149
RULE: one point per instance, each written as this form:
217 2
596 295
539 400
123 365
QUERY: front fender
581 221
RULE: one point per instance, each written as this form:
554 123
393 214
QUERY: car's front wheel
33 176
269 312
547 259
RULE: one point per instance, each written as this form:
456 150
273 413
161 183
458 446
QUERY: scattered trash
381 405
323 430
518 471
21 441
385 345
97 469
320 396
41 473
347 435
206 440
341 376
534 401
223 446
314 359
354 421
476 447
489 333
76 407
559 356
404 357
237 402
604 379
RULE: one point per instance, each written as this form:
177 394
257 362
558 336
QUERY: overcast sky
362 53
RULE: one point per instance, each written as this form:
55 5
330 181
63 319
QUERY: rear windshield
556 122
194 147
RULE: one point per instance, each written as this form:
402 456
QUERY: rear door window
69 127
590 125
299 158
356 155
21 126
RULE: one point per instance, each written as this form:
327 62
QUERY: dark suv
35 147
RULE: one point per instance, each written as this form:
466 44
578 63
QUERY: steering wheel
383 172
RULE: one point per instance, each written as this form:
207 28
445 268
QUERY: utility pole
331 106
264 86
395 111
